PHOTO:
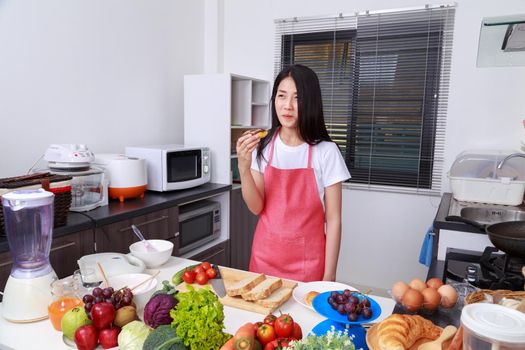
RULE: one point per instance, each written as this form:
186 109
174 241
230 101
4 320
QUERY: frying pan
507 236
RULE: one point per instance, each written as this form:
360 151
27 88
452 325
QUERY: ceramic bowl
152 258
141 294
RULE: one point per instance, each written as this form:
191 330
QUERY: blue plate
320 304
358 333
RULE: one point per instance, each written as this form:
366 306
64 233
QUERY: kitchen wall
107 73
382 232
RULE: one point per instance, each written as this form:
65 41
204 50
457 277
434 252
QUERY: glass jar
66 295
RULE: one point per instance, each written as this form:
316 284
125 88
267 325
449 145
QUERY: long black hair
309 104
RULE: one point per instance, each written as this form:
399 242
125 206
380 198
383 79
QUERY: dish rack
59 185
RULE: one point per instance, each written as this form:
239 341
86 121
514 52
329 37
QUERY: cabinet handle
163 217
176 234
212 255
10 262
70 244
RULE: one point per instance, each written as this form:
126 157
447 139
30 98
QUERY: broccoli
164 338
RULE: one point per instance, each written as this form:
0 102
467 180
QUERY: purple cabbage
157 310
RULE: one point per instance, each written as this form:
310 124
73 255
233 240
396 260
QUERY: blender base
26 300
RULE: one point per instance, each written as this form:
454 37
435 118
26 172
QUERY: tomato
284 326
270 319
188 277
211 273
198 269
256 326
271 345
201 278
297 331
206 265
265 334
277 344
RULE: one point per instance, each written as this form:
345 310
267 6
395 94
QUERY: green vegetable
167 288
331 340
164 338
132 336
199 319
177 278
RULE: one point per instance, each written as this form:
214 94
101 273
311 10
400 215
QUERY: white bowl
143 293
152 258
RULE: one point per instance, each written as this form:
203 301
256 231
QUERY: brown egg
417 284
398 290
434 283
449 295
412 300
431 299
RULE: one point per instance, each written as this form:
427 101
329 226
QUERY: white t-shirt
327 161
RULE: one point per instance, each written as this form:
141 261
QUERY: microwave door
183 166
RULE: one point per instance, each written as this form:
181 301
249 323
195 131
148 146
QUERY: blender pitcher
28 220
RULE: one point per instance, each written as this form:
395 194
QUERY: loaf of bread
263 289
245 285
277 298
400 332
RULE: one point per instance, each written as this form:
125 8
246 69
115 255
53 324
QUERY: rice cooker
127 175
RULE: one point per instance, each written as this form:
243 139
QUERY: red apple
108 337
86 337
102 315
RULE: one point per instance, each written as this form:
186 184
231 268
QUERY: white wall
382 232
107 73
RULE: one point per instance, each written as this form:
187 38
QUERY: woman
292 179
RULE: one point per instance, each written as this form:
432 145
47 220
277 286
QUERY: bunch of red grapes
119 298
349 303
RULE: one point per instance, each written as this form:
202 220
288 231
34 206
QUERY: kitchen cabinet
118 236
218 254
232 104
242 224
65 251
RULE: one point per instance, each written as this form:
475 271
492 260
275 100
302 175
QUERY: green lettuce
133 335
199 319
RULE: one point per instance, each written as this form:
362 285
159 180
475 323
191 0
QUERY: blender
28 218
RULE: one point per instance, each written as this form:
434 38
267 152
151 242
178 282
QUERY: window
384 78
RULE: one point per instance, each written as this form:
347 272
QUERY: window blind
384 79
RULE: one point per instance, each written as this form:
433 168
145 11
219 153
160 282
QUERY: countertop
117 211
41 335
443 211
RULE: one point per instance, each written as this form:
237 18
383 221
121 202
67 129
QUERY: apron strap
309 156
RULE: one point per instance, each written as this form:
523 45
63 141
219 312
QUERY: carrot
457 341
229 345
244 338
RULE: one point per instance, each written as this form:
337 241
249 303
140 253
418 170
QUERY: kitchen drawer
218 254
117 237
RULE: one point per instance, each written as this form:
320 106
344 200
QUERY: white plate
299 292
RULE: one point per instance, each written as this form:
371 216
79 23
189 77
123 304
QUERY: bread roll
310 297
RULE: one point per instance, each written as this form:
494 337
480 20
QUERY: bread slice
277 298
263 289
244 285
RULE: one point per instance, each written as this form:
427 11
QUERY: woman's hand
245 146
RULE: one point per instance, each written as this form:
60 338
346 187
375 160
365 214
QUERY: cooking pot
127 175
507 236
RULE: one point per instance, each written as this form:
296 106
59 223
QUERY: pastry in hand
400 332
310 297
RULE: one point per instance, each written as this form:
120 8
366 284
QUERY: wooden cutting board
231 276
372 340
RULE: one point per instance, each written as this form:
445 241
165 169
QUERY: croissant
400 332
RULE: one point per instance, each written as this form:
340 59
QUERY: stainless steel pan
507 236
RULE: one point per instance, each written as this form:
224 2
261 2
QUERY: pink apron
289 239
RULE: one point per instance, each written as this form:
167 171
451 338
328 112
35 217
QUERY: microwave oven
199 223
174 167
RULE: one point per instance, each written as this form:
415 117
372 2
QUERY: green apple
72 320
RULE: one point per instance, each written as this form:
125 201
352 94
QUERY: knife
218 283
